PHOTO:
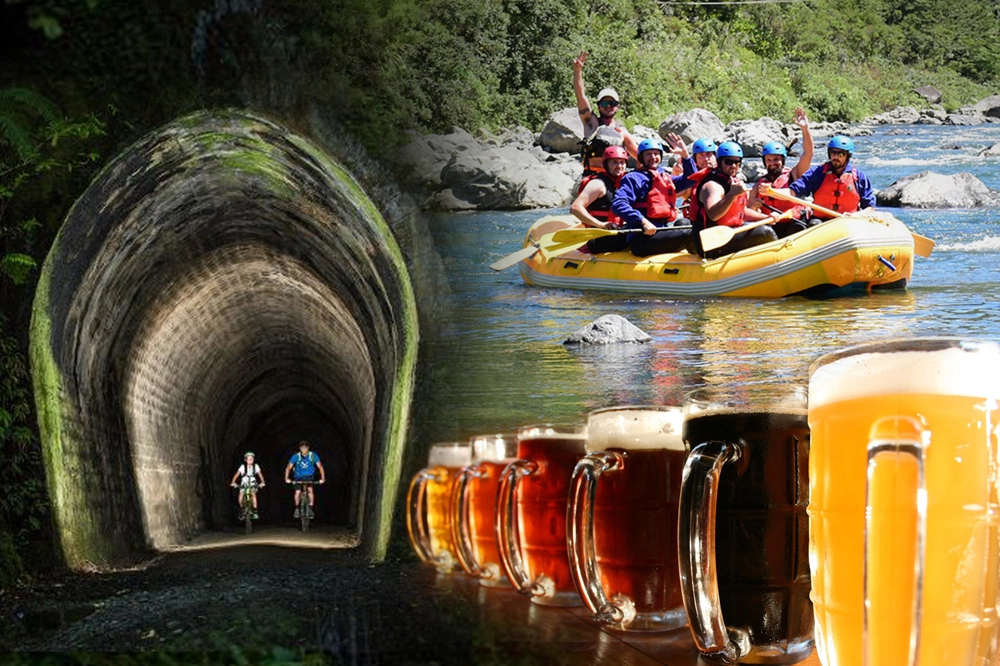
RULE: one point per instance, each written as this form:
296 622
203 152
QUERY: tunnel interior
221 287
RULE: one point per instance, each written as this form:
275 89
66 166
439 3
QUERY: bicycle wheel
248 511
304 508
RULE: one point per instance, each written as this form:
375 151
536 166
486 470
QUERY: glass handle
580 542
506 528
416 516
895 535
460 522
696 537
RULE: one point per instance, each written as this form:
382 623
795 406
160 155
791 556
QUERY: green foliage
10 562
49 16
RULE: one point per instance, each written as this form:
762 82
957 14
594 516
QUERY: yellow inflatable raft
861 251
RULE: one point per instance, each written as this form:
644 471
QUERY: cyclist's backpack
594 145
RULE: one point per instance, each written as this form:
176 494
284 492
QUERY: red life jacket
733 216
694 206
839 193
601 208
660 205
778 183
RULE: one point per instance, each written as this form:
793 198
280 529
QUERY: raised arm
582 103
805 160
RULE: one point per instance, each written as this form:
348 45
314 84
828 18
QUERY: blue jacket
812 179
635 187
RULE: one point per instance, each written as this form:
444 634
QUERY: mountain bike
303 488
246 506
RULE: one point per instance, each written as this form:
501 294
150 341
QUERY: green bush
10 561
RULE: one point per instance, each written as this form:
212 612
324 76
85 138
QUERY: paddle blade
581 235
715 237
552 250
922 245
514 258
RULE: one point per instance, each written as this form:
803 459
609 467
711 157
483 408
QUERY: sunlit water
499 361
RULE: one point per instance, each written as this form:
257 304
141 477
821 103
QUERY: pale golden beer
474 507
622 522
905 431
428 517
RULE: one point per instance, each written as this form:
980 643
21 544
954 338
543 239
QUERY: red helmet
614 153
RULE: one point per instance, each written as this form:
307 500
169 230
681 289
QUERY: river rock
753 134
607 330
930 93
936 111
990 151
640 132
964 119
901 115
934 190
822 129
899 132
503 178
752 170
562 132
989 106
692 125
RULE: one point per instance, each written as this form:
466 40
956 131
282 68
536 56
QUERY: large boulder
989 106
753 134
990 151
562 132
607 330
964 119
930 93
901 115
692 125
934 190
503 178
422 160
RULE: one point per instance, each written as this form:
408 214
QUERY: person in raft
607 107
646 201
697 166
721 199
837 184
592 205
779 176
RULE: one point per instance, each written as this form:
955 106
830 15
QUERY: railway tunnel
223 285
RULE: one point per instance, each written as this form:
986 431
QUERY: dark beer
542 498
761 528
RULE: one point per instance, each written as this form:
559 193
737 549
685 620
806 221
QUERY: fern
20 111
17 267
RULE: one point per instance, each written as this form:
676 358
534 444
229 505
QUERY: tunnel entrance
223 286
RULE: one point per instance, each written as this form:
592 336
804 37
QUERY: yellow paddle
922 245
715 237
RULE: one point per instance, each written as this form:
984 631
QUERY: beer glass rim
446 446
927 344
772 394
628 408
492 437
548 429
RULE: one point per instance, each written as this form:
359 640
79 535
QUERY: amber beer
428 518
903 508
749 456
474 508
531 519
629 531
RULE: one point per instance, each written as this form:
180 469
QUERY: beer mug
622 522
743 540
531 513
474 508
903 503
428 502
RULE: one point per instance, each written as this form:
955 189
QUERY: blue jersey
304 467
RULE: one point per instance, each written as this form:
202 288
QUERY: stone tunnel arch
222 285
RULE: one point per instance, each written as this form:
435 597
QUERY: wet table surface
517 630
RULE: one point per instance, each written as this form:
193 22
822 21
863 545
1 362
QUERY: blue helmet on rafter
703 146
841 142
729 149
649 144
774 148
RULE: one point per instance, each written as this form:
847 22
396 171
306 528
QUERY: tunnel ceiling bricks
216 271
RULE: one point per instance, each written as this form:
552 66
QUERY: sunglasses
607 104
731 161
836 151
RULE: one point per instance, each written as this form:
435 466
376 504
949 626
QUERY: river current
497 360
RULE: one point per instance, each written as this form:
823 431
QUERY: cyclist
304 463
248 473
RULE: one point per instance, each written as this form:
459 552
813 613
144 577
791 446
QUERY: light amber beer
428 518
623 544
474 508
531 519
905 431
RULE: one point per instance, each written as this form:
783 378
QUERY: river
498 359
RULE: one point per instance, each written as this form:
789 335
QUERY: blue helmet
729 149
649 144
703 146
841 142
774 148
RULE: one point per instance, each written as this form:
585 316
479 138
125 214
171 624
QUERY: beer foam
635 429
450 456
973 372
494 447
